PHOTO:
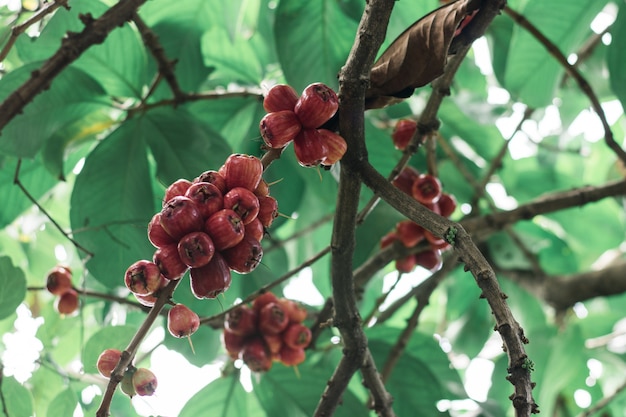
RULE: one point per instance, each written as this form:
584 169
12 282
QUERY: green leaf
72 96
182 145
12 287
235 59
112 203
313 39
63 404
283 392
615 55
17 400
531 73
110 337
224 397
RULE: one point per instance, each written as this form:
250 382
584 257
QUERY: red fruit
291 357
274 342
143 277
233 343
262 300
242 171
68 302
167 259
181 215
294 310
59 280
212 279
426 189
403 133
255 230
406 264
243 202
107 361
273 319
429 259
388 239
256 355
196 249
279 128
280 97
213 177
409 233
148 300
241 321
404 181
263 189
245 256
310 148
436 242
181 321
335 144
268 210
446 204
225 228
157 234
207 197
297 336
316 105
144 382
178 187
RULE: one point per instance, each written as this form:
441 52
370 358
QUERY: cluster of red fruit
269 330
299 119
136 381
210 226
59 283
426 189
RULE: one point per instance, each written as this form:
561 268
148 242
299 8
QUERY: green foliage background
97 155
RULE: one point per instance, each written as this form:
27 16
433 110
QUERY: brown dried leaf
417 56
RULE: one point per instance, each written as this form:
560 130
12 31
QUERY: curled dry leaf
417 56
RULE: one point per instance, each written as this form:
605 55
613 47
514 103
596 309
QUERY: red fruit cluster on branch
211 225
403 133
136 381
59 283
426 189
270 330
298 119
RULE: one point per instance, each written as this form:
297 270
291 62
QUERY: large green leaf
224 397
313 39
72 96
531 73
615 55
63 404
182 145
17 401
12 287
112 203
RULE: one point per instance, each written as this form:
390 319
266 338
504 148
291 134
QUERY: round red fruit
255 230
157 234
274 343
388 239
403 133
316 105
207 197
181 215
406 264
241 321
426 189
295 311
243 202
107 361
310 149
213 177
263 300
143 277
242 171
178 187
404 181
256 355
297 335
335 144
273 319
409 233
279 128
225 228
59 280
210 280
233 343
446 204
245 256
167 259
429 259
291 357
68 302
280 97
196 249
181 321
268 210
263 189
144 382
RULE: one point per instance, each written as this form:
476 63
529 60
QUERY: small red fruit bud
262 300
255 230
279 128
243 202
404 181
233 343
316 105
207 197
409 233
181 321
403 133
225 228
212 279
178 187
297 336
426 189
180 216
143 277
257 356
213 177
167 259
294 310
406 264
268 210
59 280
335 144
245 256
157 234
280 97
107 361
144 382
290 356
446 204
241 321
310 148
242 171
68 302
272 319
196 249
429 259
388 239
